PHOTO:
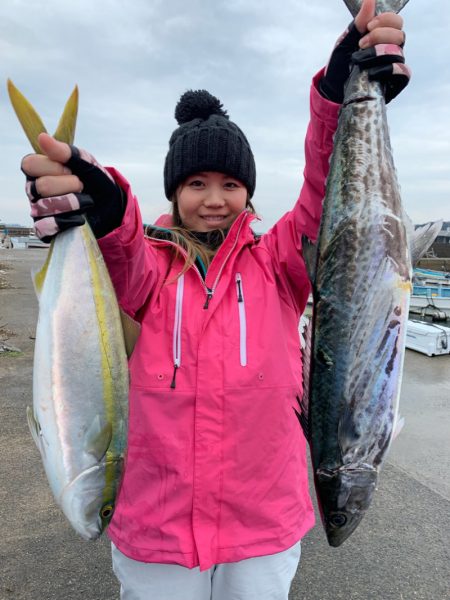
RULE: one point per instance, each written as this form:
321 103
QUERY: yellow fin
28 117
65 132
39 276
131 330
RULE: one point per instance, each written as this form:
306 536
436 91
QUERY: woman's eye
196 183
231 185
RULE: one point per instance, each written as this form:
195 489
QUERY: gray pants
260 578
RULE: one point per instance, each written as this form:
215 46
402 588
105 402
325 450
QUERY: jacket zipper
216 281
177 329
242 321
209 291
179 305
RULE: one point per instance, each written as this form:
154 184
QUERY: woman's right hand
66 186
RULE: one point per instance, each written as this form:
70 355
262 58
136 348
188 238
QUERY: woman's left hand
385 28
375 43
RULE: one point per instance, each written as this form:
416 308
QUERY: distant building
15 230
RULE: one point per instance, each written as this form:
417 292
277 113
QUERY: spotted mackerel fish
80 377
361 277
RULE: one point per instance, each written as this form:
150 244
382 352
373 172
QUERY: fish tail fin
28 117
398 426
382 6
32 123
65 132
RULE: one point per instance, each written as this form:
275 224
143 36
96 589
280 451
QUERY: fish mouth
364 98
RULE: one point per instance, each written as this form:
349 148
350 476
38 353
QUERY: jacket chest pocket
242 321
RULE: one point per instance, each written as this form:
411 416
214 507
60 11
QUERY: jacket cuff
321 107
130 232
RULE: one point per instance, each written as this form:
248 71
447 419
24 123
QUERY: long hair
185 239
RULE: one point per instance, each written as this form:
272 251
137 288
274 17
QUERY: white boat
427 338
34 242
431 300
431 294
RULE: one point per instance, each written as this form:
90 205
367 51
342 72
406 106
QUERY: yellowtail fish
79 418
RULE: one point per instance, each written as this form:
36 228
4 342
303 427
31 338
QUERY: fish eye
106 511
338 519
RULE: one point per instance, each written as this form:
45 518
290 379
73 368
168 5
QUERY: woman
214 499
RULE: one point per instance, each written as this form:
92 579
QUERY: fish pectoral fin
98 438
398 426
131 330
348 434
310 252
35 428
306 335
304 423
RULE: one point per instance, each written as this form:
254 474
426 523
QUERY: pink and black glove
384 63
102 202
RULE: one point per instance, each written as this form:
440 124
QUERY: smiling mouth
213 219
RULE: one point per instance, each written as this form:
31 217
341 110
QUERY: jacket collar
239 235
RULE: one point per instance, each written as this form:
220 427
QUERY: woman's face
210 200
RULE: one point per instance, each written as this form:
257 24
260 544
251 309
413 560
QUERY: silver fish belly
361 296
80 382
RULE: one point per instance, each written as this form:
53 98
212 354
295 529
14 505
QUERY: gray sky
132 60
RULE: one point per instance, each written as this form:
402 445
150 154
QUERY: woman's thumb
57 151
366 14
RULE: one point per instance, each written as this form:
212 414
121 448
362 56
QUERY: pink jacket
216 466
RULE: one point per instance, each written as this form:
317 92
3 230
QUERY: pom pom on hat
206 140
198 104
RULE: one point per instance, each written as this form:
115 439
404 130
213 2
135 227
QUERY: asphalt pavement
400 551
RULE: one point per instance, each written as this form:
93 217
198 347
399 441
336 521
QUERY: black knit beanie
206 140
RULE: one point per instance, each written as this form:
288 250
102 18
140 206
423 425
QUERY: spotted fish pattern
361 276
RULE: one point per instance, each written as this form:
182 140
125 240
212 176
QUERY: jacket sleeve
131 261
283 240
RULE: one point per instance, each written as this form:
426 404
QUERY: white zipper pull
242 321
